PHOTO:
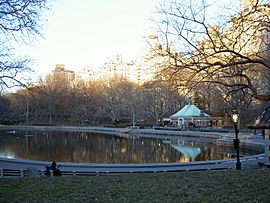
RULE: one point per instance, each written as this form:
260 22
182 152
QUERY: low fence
12 172
31 172
35 173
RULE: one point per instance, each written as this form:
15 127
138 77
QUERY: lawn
208 186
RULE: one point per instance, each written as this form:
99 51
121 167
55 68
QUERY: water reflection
99 148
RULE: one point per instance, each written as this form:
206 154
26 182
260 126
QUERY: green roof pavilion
190 110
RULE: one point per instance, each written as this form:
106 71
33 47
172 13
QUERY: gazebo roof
190 110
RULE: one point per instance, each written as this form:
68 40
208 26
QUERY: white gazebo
190 116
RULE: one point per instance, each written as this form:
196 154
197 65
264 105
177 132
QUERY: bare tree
230 48
113 100
20 20
23 104
50 98
5 109
159 100
86 100
132 101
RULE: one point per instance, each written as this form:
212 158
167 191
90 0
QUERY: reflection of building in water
204 149
104 148
190 153
86 148
189 150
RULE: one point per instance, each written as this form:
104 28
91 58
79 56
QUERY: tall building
158 58
248 33
250 28
60 74
87 73
116 66
153 59
259 42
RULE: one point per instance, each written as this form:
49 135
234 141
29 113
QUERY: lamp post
235 118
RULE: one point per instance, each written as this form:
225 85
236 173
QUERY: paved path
247 163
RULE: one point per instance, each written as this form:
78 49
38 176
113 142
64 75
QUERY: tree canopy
20 22
229 48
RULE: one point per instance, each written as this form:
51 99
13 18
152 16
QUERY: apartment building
249 28
60 74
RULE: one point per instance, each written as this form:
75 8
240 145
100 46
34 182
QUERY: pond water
84 147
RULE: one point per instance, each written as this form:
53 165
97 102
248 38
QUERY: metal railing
31 172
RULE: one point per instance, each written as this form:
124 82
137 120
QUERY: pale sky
85 32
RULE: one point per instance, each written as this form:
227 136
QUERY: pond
85 147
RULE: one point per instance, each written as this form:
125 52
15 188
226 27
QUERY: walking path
247 162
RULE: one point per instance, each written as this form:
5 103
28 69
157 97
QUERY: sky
86 32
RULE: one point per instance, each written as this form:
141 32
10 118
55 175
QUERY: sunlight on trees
113 102
228 50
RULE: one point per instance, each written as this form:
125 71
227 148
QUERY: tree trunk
27 113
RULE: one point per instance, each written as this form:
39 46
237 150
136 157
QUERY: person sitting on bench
56 171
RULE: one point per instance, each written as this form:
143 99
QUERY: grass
209 186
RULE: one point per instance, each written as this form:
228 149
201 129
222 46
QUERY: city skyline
84 33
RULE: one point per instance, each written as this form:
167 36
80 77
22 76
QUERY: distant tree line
114 101
117 102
